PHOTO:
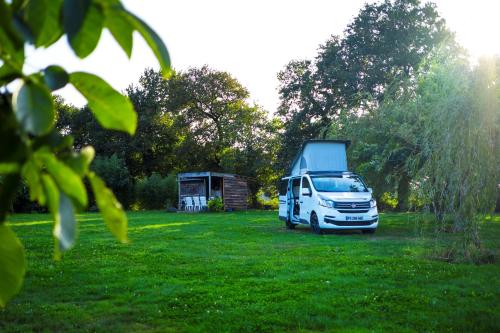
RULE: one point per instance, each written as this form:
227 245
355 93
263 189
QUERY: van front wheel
315 224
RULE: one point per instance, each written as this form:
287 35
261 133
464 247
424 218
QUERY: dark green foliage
156 192
244 272
32 150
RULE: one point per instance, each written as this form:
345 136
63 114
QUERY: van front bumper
332 219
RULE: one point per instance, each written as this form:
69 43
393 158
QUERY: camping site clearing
244 272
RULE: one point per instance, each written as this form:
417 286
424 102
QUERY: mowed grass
244 272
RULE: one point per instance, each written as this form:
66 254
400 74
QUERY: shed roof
184 175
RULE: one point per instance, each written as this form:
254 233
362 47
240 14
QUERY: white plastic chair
189 203
196 203
203 202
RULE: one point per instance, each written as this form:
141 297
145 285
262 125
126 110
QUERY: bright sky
252 40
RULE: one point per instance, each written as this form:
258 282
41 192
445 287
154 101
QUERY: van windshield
345 183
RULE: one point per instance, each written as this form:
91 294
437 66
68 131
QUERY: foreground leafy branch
31 148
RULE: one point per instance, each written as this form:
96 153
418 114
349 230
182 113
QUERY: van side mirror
306 192
370 190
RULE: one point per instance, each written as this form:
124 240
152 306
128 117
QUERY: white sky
252 40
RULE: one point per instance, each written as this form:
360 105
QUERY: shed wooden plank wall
235 193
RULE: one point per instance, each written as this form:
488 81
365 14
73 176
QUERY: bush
156 192
215 205
388 201
267 202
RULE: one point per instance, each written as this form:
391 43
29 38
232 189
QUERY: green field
239 272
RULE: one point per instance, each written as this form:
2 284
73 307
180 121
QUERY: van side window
283 187
305 183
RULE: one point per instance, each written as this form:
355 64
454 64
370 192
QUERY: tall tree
213 107
384 43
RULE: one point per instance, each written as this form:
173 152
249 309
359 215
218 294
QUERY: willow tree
441 129
31 147
458 166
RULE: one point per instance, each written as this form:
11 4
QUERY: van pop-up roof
320 155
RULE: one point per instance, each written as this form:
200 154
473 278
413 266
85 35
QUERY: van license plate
354 218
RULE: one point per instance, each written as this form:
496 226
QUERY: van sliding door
282 197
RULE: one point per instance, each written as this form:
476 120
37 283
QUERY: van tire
315 224
368 231
289 224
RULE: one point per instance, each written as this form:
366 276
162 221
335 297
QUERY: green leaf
8 74
120 27
155 43
53 202
80 162
12 264
10 40
73 16
55 77
110 208
51 192
35 14
34 108
86 39
51 30
31 174
65 230
112 109
6 168
67 180
6 45
23 29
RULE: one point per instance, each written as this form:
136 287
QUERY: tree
458 166
32 148
221 131
440 131
385 43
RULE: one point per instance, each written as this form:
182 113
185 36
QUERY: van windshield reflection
338 184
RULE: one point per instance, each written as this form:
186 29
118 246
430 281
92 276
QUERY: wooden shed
233 189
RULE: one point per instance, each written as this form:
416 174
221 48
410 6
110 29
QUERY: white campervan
320 192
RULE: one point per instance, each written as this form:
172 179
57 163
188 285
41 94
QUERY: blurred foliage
34 153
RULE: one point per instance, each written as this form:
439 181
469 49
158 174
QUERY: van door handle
301 201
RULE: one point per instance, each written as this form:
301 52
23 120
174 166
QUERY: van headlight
326 203
373 203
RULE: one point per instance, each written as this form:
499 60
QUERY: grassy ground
239 272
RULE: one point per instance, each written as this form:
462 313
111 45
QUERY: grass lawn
239 272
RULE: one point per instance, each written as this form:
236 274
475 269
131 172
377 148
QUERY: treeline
199 119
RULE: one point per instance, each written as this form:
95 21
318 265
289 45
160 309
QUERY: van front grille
352 205
353 211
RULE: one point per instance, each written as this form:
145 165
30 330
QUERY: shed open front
196 188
